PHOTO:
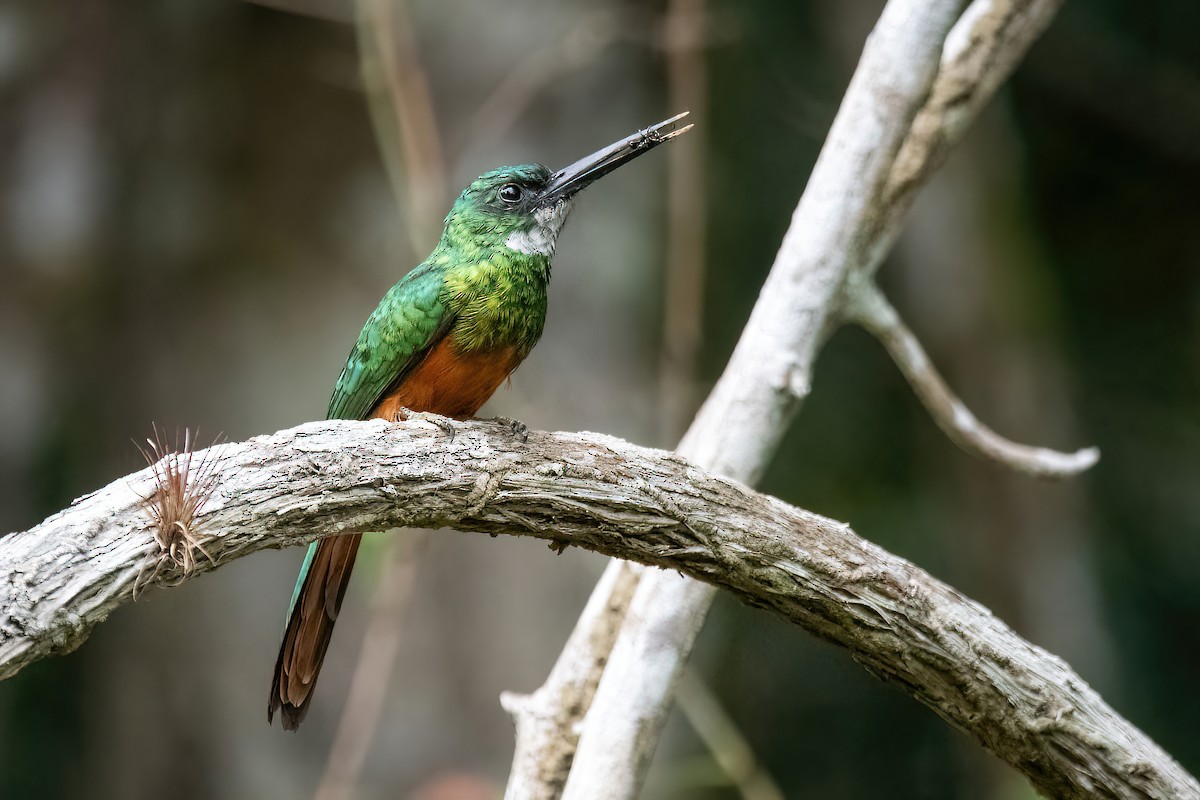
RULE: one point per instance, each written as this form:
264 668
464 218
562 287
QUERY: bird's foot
519 429
437 420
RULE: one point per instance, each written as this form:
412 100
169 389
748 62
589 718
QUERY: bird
441 341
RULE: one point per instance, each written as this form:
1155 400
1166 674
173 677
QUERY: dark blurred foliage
196 220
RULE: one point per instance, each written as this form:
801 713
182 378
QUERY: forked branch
927 69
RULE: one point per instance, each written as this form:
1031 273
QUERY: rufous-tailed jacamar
441 341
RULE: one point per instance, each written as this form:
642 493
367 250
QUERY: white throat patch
539 240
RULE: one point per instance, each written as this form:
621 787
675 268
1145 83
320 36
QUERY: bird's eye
509 193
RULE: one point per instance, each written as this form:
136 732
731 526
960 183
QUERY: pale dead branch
62 577
868 306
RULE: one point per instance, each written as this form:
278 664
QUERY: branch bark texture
62 577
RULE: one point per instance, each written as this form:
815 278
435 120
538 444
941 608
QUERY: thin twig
402 110
724 740
576 48
683 306
867 305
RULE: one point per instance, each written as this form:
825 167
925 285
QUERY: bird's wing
409 320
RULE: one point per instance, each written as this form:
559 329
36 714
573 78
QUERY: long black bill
569 180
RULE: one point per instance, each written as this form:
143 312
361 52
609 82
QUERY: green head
508 208
523 208
494 256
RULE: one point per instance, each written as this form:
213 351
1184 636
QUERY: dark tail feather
315 606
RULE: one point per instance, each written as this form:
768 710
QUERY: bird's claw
519 429
437 420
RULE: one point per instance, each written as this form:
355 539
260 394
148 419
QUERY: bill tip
677 132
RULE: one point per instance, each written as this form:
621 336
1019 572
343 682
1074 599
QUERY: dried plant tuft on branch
183 483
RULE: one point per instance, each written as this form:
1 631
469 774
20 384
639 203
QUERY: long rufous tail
315 605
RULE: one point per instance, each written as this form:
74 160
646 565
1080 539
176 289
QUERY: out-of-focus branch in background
577 47
404 117
683 289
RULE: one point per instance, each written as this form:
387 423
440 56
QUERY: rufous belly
450 382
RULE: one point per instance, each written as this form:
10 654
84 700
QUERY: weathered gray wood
62 577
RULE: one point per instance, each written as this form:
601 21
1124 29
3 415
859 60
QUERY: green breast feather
498 301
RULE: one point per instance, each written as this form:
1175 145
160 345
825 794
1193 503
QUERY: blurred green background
195 220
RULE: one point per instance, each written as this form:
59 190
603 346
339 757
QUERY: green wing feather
409 320
304 568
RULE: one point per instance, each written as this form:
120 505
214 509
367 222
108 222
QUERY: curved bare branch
867 305
63 576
